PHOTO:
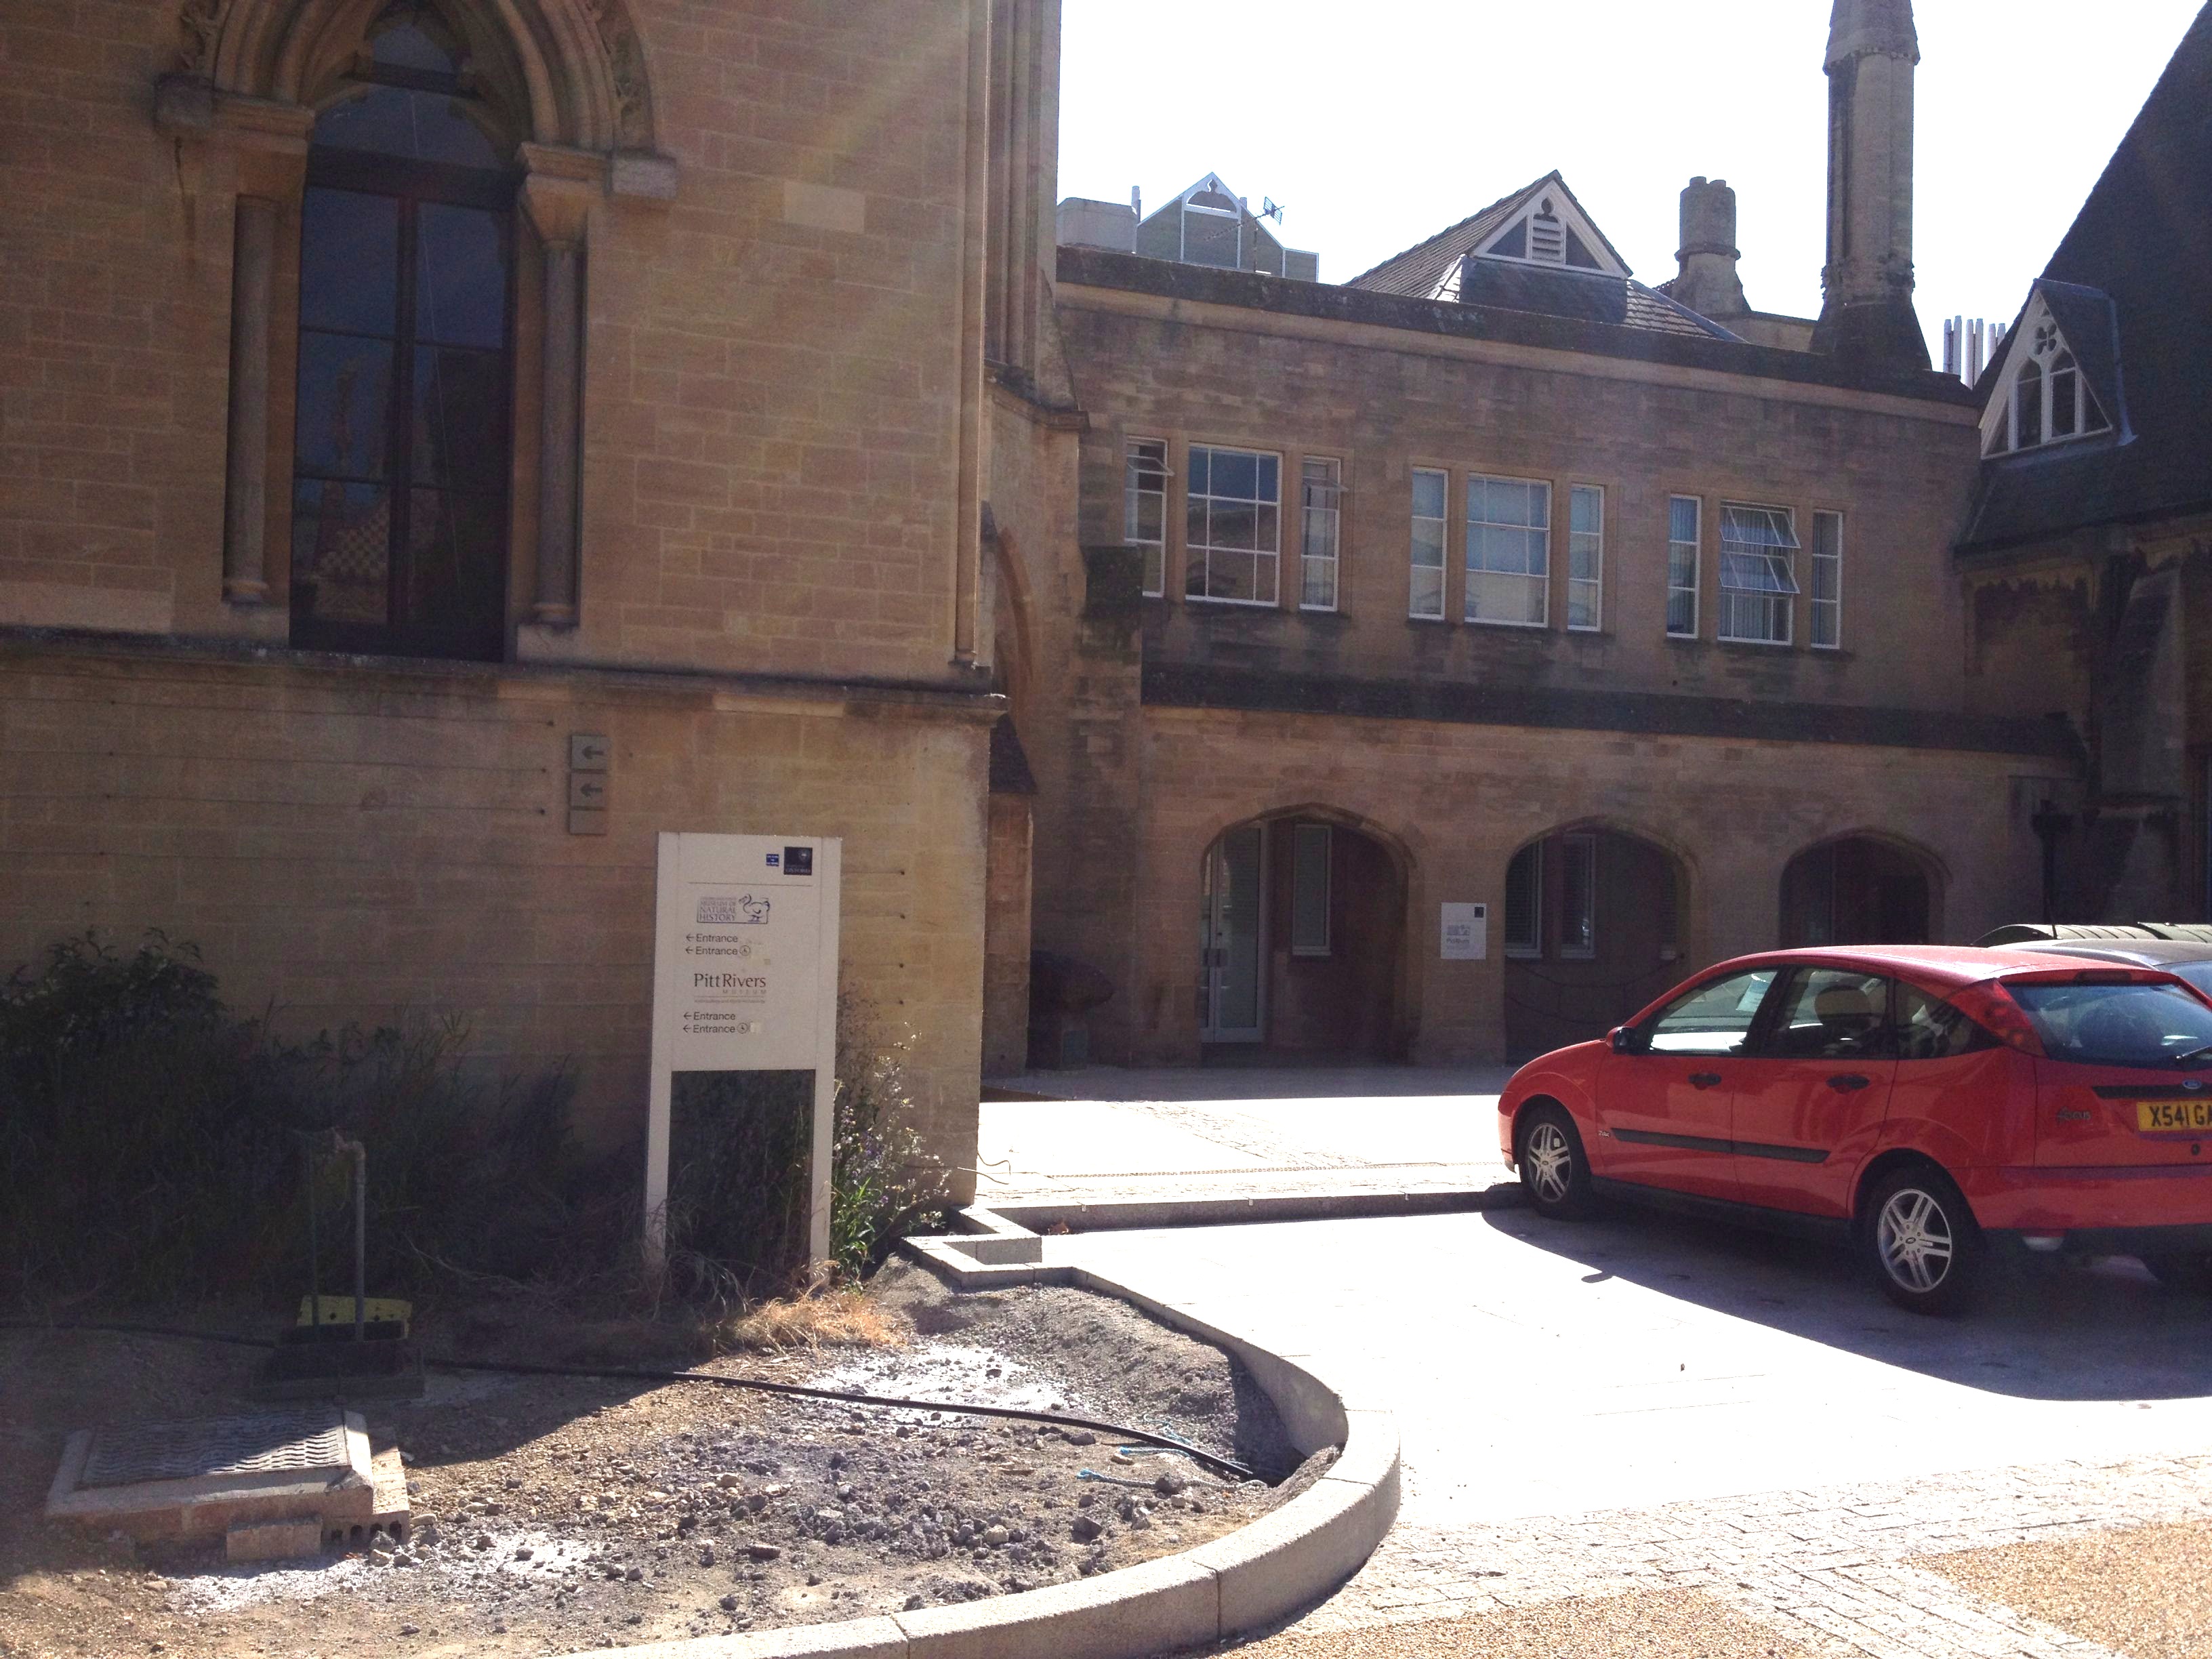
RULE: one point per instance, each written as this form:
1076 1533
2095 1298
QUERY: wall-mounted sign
744 979
1466 933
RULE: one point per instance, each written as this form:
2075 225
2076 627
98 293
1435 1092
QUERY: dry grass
843 1316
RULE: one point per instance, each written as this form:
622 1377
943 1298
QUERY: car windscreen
2118 1024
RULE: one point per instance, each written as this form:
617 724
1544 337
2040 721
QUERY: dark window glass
343 424
1524 902
416 126
460 282
1832 1013
342 553
2063 378
2027 409
350 262
460 419
1928 1027
402 452
2118 1024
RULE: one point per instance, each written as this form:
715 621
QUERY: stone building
396 392
1497 578
408 405
2088 553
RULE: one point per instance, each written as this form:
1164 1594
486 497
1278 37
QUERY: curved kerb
1286 1559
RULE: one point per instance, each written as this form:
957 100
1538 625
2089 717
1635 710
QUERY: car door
1664 1103
1810 1100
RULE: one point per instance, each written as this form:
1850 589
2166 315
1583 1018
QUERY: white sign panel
744 979
1466 933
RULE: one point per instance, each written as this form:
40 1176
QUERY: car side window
1714 1019
1928 1027
1831 1013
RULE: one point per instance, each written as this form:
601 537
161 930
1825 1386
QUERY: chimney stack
1706 279
1867 313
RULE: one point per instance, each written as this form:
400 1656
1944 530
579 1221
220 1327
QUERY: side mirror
1623 1039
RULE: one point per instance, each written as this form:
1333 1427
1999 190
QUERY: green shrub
155 1143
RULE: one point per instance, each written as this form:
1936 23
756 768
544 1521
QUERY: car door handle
1703 1080
1850 1082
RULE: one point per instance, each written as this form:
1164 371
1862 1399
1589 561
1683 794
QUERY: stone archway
1302 934
1593 927
1860 889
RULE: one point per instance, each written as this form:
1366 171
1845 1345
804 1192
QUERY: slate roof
1421 269
1591 295
2132 282
1706 346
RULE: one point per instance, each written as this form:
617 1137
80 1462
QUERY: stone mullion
246 507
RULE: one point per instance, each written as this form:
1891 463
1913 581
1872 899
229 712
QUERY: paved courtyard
1709 1420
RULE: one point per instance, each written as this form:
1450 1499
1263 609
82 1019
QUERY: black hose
1227 1468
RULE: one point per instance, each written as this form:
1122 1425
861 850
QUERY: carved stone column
558 202
246 504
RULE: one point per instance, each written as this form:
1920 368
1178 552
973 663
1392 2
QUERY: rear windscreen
2118 1024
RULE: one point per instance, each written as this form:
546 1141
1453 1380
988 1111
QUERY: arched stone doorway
1858 890
1591 930
1302 930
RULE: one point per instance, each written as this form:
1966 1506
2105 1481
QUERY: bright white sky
1378 122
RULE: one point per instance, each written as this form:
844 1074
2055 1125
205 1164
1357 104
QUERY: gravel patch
2141 1592
552 1515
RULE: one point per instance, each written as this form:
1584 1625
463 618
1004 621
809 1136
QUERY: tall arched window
403 447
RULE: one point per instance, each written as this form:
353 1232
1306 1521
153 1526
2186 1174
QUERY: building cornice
1642 714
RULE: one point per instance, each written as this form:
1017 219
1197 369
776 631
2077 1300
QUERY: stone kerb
1287 1558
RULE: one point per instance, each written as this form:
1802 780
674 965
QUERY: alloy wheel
1551 1161
1914 1238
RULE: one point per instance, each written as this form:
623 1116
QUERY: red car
1926 1102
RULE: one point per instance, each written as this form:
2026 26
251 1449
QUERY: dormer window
1213 227
2045 397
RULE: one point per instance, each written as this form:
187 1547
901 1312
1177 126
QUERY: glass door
1229 936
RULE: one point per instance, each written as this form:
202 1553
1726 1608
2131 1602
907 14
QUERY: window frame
1697 546
1195 553
1779 602
1305 949
1539 581
1130 446
1442 522
1834 603
1595 581
1334 512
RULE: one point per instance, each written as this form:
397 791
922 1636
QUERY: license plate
2191 1116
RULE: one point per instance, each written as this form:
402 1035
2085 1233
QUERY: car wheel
2192 1275
1921 1242
1554 1173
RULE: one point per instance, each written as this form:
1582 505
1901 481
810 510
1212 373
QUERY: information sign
744 979
1466 933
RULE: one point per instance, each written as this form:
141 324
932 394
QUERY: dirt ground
557 1515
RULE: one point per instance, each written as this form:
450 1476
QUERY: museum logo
723 911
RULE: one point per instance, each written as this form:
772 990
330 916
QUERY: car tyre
1921 1242
1554 1170
2190 1274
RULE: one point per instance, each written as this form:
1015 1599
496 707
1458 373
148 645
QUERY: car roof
2141 952
1929 965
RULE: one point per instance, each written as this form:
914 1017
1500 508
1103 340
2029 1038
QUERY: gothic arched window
402 446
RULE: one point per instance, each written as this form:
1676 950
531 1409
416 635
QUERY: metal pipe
360 1240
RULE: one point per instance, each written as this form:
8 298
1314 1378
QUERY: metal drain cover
206 1478
307 1443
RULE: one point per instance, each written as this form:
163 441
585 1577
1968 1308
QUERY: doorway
1857 890
1301 933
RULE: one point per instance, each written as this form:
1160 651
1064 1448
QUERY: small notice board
1466 933
744 979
